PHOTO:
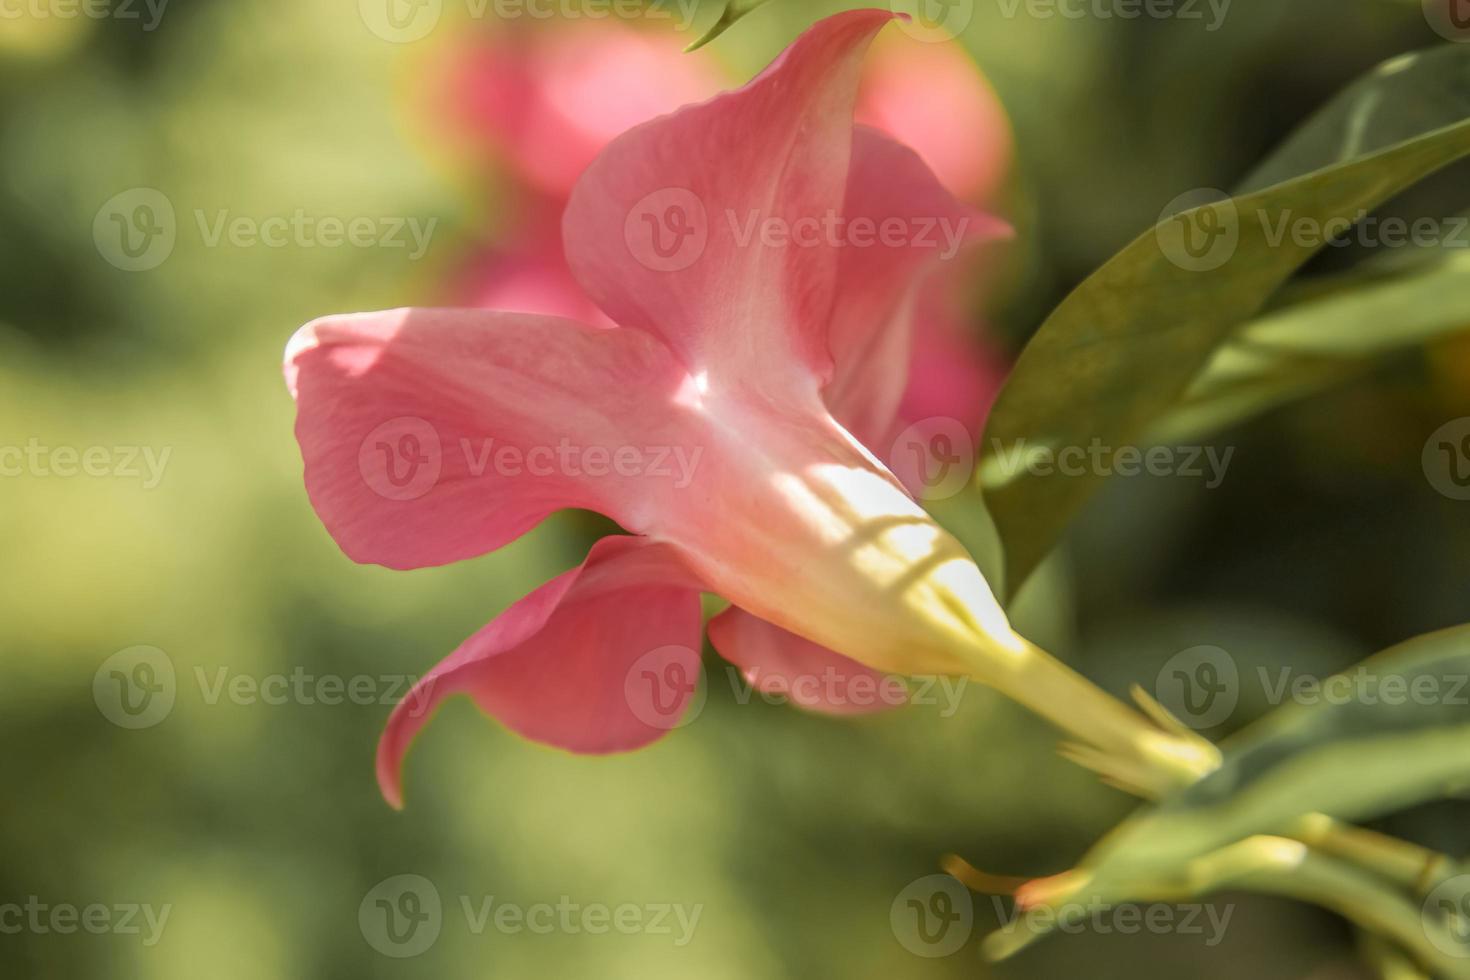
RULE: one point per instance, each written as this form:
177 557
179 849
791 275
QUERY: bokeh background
259 825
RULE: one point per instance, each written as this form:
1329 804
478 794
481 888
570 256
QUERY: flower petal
870 334
603 658
664 230
430 436
776 661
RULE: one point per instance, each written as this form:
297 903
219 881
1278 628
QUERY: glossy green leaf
1125 348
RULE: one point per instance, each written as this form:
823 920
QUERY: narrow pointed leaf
732 12
1125 347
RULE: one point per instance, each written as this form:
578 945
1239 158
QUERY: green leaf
733 11
1124 349
1401 99
1389 733
1332 334
1403 739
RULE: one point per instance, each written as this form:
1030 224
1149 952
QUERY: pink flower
543 102
761 316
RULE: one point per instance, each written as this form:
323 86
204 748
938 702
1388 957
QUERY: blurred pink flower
764 364
548 100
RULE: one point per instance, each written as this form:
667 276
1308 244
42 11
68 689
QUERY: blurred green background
260 826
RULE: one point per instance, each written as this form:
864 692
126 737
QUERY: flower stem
1127 747
1150 754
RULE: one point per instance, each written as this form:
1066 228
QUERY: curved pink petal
890 189
811 676
707 226
933 98
603 658
430 436
550 100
